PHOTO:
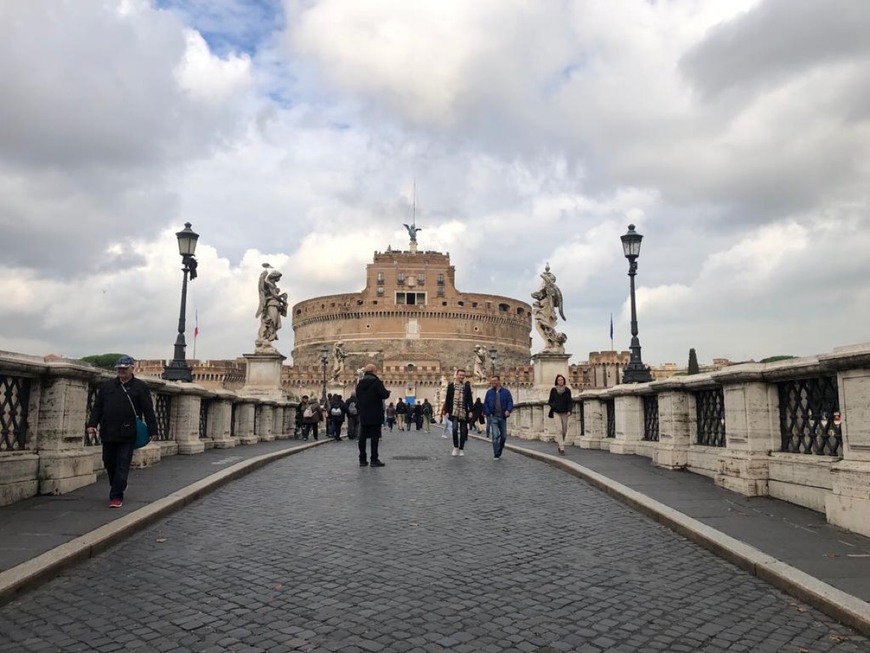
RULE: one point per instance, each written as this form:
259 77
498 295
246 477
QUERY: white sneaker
496 458
445 436
461 452
455 451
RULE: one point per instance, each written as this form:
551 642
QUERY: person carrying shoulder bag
560 404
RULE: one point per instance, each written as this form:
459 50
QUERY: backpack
351 408
335 411
308 412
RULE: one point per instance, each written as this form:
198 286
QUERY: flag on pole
611 332
195 329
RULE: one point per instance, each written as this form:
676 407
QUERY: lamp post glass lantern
178 369
635 371
324 359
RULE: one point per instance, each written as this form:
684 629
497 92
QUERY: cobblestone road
430 553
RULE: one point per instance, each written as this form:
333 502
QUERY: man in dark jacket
117 404
352 417
457 404
370 396
401 414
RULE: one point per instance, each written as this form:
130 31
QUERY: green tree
104 361
693 362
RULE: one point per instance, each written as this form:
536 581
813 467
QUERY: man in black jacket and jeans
117 404
370 396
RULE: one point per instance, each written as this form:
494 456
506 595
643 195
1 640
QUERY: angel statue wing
557 301
261 286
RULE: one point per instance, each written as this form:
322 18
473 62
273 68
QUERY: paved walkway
430 553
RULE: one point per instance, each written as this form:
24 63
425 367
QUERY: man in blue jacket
497 407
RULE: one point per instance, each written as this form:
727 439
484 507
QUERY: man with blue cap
117 405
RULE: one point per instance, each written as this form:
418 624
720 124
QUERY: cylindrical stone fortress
410 313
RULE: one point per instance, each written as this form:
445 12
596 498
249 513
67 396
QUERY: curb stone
28 575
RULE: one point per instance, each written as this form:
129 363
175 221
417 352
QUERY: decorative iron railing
809 416
14 404
651 418
163 410
610 412
91 440
710 417
204 407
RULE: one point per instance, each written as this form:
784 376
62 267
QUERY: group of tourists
310 412
404 415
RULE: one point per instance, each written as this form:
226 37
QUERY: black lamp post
178 369
493 358
324 359
635 371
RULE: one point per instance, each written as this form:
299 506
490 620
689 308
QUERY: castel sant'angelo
412 322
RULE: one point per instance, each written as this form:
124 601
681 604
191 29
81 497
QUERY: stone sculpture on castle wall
548 299
272 307
338 356
480 375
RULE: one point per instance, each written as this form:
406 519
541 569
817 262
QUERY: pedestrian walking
352 417
448 426
457 406
117 404
391 416
560 404
497 407
418 416
337 411
370 396
300 409
477 416
427 415
312 415
401 413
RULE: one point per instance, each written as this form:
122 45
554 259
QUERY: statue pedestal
546 366
263 376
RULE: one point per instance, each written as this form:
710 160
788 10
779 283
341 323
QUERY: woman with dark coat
560 404
477 417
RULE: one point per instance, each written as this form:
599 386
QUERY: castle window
380 277
461 303
440 292
421 279
411 298
503 308
473 304
440 279
380 291
401 279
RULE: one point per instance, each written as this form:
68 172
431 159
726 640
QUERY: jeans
497 427
116 460
460 437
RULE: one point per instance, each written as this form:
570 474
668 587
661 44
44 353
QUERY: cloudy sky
734 133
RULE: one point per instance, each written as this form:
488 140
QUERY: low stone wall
45 403
797 430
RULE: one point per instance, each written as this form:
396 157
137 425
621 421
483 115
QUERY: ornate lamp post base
636 372
178 370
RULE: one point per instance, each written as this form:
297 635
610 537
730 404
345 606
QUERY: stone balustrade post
848 504
278 429
245 416
751 428
538 430
628 404
266 422
220 420
59 415
185 418
594 420
676 418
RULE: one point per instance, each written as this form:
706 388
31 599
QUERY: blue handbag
142 437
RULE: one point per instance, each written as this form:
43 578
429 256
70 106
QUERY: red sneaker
115 503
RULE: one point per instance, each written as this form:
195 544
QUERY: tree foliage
693 362
103 361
